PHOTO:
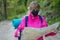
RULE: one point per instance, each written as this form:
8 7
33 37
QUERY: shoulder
24 18
42 17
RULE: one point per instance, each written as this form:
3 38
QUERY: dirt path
6 31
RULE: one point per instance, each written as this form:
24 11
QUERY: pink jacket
34 22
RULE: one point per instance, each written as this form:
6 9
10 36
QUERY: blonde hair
34 4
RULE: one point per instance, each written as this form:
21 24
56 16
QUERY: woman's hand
17 33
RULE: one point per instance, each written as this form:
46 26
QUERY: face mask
35 12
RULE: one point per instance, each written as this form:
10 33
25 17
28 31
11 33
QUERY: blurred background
10 9
14 9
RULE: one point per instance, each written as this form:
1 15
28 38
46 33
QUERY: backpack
16 22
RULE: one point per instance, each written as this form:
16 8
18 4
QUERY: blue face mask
35 12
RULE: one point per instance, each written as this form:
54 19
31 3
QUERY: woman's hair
34 4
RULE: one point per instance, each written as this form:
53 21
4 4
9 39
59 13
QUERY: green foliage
18 8
16 16
1 18
50 9
51 21
14 9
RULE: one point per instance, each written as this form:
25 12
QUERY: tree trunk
5 12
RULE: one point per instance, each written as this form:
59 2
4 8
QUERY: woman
34 20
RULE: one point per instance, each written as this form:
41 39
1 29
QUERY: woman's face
35 11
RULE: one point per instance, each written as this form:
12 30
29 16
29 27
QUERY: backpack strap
26 21
40 17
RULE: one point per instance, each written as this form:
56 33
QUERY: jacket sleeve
21 26
44 23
